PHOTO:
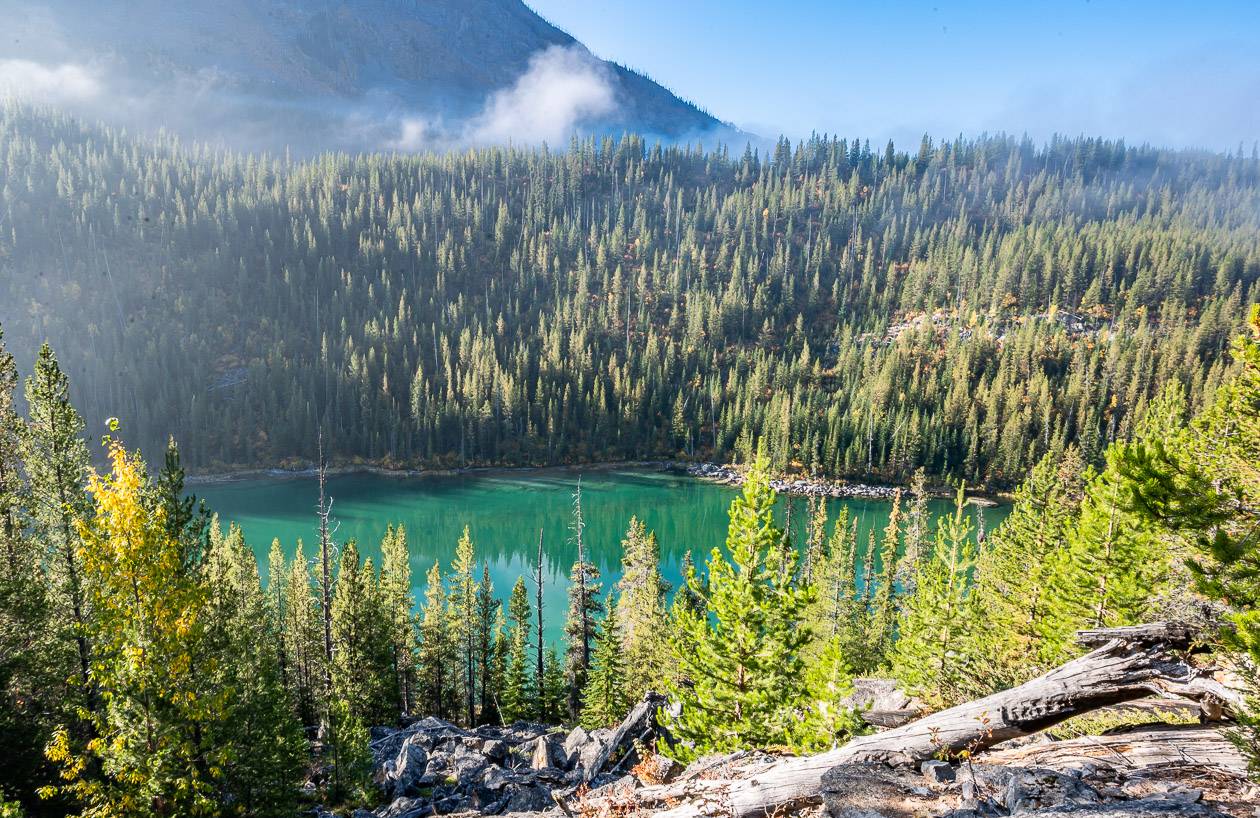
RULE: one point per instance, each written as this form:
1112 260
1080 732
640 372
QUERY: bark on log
639 725
1158 745
1128 664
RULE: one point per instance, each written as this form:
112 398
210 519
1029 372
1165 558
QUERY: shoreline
721 474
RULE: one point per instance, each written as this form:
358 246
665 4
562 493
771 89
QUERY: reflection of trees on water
504 512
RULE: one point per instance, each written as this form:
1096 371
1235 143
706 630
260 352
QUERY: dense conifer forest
966 307
147 671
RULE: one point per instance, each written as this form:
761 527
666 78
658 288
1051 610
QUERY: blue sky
1175 73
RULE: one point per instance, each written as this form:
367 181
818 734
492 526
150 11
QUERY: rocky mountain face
318 74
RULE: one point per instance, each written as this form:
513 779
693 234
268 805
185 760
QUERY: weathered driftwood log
1127 664
1156 745
639 725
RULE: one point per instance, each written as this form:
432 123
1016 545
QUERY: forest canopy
967 307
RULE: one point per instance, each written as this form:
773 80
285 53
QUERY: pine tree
518 694
584 607
837 613
1013 572
27 689
1115 564
464 619
641 615
56 461
363 670
741 661
604 699
346 750
883 615
396 599
262 750
554 696
439 671
926 658
827 719
302 640
489 618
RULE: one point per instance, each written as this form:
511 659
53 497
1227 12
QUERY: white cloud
562 87
48 84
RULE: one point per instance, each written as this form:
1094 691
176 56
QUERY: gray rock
495 750
545 751
938 772
405 808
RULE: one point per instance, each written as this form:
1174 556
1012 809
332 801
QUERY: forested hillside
967 307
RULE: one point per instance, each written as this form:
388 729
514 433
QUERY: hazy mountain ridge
358 75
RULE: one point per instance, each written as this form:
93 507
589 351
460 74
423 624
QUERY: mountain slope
326 73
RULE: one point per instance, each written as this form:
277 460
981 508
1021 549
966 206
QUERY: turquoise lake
505 511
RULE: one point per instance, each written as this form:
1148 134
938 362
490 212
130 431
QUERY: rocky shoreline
813 487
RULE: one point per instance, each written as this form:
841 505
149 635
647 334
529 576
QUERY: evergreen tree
346 750
518 694
927 657
465 622
584 607
604 700
489 619
439 671
1014 570
827 720
55 458
396 600
363 670
883 615
27 689
1115 564
741 661
837 613
642 619
261 748
302 640
554 697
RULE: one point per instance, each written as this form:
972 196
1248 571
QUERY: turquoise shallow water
504 512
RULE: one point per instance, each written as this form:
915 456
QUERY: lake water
504 513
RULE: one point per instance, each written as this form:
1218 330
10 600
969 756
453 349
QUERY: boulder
401 774
546 751
938 772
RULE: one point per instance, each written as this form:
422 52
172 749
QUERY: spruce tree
741 662
489 619
883 614
604 699
838 614
641 615
27 689
1116 563
554 697
518 693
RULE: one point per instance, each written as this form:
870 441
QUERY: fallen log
639 725
1127 664
1152 745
